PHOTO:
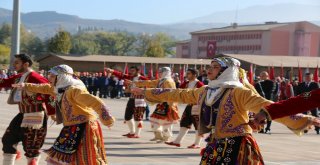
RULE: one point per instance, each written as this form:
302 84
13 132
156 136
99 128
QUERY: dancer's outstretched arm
82 97
146 83
157 95
254 102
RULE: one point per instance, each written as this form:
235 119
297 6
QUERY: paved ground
280 148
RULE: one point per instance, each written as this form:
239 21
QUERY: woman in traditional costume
80 141
225 104
166 113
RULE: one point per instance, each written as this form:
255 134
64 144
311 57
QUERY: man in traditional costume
30 125
136 105
80 141
191 113
224 106
166 113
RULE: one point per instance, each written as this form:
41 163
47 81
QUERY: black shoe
268 131
261 131
318 132
305 131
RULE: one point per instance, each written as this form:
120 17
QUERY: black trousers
133 112
32 139
188 119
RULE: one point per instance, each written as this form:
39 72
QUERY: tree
143 42
5 34
155 50
167 43
60 43
120 43
84 47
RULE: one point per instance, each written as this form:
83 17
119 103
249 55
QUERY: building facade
271 38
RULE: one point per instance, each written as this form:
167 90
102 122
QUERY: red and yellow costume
136 107
30 125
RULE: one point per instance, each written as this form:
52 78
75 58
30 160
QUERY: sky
144 11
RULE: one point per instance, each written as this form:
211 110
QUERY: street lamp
15 41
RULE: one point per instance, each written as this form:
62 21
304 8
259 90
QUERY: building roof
129 59
183 41
239 28
277 61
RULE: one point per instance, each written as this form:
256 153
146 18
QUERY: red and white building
271 38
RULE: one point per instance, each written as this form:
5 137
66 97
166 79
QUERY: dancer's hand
137 91
109 70
316 122
260 119
128 82
19 85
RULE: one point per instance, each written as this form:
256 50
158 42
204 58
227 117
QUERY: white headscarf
229 78
165 73
65 77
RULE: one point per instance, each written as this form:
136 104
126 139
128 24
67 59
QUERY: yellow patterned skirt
80 144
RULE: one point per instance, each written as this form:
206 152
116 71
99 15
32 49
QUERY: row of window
233 48
230 37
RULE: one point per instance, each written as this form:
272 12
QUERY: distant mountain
45 24
258 14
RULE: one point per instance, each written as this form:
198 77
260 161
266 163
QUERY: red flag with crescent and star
211 49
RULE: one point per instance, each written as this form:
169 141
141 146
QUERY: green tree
142 44
60 43
120 43
5 34
155 50
4 54
167 43
84 47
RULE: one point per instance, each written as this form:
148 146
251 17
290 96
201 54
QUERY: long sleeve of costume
251 101
120 75
304 102
147 83
7 82
86 99
40 88
188 96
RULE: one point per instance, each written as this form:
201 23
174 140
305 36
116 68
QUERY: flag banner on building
150 73
157 72
211 48
143 69
126 69
271 74
250 74
316 74
182 71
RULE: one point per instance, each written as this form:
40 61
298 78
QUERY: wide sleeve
297 123
188 96
84 98
302 103
250 100
146 83
40 88
7 82
121 75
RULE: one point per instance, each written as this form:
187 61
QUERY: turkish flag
211 48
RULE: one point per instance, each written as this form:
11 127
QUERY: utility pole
15 41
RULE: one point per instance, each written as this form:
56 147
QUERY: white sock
36 158
131 126
138 127
198 139
9 159
182 133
